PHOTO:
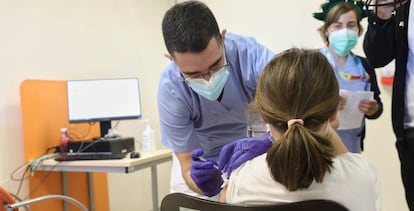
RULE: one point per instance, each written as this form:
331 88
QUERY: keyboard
89 156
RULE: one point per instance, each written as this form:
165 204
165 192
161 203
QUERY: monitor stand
105 126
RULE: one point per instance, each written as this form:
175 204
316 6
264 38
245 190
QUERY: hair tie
294 121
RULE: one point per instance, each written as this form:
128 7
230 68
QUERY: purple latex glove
234 154
205 174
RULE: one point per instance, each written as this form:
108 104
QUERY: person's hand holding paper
357 102
368 107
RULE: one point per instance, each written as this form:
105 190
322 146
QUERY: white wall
57 39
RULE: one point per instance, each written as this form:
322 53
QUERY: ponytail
296 94
299 157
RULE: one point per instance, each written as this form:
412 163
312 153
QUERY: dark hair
298 83
333 16
188 27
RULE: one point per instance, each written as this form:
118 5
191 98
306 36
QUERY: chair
183 202
9 203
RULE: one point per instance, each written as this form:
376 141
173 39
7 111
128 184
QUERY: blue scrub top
189 121
353 66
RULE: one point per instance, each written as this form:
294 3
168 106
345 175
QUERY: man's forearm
185 163
190 183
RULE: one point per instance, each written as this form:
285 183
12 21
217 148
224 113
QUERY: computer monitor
103 100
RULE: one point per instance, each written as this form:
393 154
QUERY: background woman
340 33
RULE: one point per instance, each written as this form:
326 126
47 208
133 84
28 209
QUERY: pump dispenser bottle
148 142
64 140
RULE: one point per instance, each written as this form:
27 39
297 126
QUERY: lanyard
362 76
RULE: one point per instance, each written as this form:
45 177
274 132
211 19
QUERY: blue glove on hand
236 153
205 174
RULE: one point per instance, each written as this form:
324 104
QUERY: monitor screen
103 100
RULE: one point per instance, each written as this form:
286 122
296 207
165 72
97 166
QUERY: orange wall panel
44 112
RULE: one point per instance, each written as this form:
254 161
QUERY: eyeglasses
208 73
204 75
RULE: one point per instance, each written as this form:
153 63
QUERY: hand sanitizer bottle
148 143
64 140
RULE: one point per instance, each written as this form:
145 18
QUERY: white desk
126 165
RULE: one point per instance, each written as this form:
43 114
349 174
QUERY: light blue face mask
343 41
210 89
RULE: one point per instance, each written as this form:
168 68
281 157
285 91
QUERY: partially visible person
391 36
298 95
340 33
204 93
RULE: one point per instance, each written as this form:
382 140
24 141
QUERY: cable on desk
29 168
41 181
87 146
74 136
35 163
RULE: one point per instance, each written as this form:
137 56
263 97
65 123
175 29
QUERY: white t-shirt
353 182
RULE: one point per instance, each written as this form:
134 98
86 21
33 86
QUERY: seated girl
297 96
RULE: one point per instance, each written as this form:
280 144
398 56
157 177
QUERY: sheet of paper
350 116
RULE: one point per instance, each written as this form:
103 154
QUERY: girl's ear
264 121
333 120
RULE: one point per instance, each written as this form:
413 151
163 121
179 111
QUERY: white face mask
210 89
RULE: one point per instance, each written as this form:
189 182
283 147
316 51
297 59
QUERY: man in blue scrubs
204 92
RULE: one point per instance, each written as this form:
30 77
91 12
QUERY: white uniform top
353 182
